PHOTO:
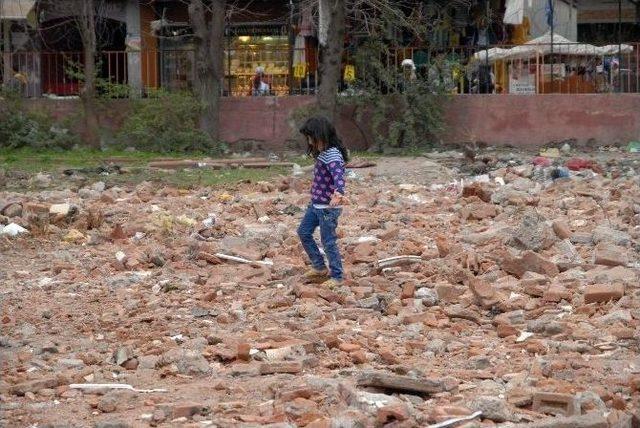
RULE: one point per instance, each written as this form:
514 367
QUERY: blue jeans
327 219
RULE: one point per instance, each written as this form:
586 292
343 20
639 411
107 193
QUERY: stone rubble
519 300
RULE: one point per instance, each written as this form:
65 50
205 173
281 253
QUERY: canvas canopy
543 46
15 9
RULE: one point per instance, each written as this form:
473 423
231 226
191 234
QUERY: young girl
327 197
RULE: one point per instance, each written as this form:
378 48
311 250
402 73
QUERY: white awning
543 46
16 9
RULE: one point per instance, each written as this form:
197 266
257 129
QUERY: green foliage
404 113
109 90
167 122
105 88
21 128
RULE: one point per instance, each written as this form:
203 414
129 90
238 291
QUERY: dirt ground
516 296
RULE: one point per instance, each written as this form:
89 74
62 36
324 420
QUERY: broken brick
244 351
391 413
555 404
599 293
506 330
484 293
292 367
408 290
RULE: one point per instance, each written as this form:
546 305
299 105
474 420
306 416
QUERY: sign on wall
522 79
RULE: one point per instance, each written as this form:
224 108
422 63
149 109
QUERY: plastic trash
578 164
209 221
13 229
297 170
99 386
634 147
483 178
121 256
524 336
558 173
552 152
541 161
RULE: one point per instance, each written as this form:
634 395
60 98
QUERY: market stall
554 65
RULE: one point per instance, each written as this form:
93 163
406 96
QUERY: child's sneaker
314 275
333 283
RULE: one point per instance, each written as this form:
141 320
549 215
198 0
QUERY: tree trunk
88 96
331 55
208 29
7 71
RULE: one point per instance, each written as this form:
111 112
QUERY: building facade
148 44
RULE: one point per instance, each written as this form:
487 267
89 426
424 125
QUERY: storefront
268 43
253 45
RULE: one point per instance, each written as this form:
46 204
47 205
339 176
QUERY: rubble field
492 290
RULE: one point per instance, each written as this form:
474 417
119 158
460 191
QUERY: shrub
166 122
20 128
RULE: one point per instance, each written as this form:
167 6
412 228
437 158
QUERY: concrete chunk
590 420
405 383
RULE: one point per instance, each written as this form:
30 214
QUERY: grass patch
31 162
192 179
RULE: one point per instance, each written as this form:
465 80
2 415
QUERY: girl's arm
337 173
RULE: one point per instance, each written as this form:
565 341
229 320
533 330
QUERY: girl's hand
338 199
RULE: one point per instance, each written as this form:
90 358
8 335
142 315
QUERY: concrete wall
535 120
518 120
268 123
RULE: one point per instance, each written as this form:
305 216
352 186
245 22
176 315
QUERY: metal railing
59 74
462 70
526 69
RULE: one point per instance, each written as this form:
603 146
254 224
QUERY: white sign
522 79
559 70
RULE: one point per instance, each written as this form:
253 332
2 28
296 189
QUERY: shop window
246 53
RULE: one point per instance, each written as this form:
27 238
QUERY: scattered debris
455 421
476 294
241 260
13 229
107 386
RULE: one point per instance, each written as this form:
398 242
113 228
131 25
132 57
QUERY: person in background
259 87
408 74
327 198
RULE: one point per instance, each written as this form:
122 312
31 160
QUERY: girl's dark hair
319 128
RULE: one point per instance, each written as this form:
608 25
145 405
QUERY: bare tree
87 25
332 23
82 16
208 24
6 54
372 17
208 19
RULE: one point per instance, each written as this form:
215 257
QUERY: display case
246 53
